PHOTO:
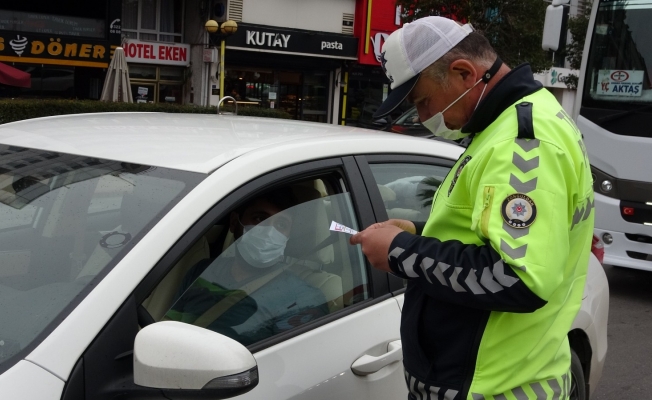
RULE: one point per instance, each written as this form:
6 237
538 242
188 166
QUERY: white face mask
437 125
262 246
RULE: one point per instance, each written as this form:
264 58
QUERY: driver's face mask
261 246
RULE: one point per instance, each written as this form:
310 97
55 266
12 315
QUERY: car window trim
394 282
364 210
379 288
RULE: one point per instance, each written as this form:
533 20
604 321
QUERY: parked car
103 218
409 124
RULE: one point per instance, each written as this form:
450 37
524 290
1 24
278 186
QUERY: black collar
517 84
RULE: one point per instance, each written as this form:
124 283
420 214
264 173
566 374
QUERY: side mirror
552 27
185 360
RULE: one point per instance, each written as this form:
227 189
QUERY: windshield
65 221
617 74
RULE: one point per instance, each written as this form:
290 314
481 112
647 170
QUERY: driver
250 295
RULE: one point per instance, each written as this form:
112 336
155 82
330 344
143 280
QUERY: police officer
496 275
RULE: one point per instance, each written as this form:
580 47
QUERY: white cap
411 49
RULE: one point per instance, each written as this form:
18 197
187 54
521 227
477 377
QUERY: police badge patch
519 211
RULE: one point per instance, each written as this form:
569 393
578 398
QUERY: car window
409 118
64 219
270 265
407 190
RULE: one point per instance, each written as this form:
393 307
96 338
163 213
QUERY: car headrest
310 226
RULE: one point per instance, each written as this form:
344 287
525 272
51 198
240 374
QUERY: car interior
319 257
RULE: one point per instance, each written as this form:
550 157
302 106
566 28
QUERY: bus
613 110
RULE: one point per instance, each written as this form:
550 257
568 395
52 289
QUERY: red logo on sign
619 76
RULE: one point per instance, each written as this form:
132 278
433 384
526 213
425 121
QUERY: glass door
289 93
314 102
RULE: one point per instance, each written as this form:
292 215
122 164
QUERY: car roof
191 142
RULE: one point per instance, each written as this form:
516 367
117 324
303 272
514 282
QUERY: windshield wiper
613 117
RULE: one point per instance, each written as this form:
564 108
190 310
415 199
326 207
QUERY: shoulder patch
519 210
457 174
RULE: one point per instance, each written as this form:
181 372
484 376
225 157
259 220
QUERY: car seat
310 231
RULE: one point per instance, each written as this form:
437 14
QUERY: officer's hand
404 224
375 242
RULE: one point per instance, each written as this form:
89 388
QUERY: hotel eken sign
157 53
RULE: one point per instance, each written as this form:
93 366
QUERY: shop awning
14 77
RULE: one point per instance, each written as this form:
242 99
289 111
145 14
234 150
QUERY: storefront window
143 92
171 73
168 93
153 20
142 72
303 95
151 84
249 87
47 81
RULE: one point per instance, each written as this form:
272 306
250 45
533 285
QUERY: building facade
296 55
65 46
155 49
367 86
285 55
316 60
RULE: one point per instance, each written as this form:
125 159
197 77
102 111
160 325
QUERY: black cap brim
396 97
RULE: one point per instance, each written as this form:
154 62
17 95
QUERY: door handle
367 364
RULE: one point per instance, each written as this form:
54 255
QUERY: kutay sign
157 53
385 18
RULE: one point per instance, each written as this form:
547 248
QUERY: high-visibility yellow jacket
497 276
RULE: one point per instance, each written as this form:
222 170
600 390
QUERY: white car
110 223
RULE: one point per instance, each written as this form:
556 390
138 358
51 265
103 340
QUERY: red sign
157 53
374 21
619 76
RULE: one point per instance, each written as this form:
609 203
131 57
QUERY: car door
403 187
347 345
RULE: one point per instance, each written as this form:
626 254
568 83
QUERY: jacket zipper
486 210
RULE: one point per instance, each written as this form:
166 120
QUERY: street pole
222 51
221 32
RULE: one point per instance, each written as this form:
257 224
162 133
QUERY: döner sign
45 49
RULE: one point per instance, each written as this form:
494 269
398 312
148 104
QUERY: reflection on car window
407 190
409 118
279 267
63 220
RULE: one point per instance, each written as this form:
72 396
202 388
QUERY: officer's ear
464 72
